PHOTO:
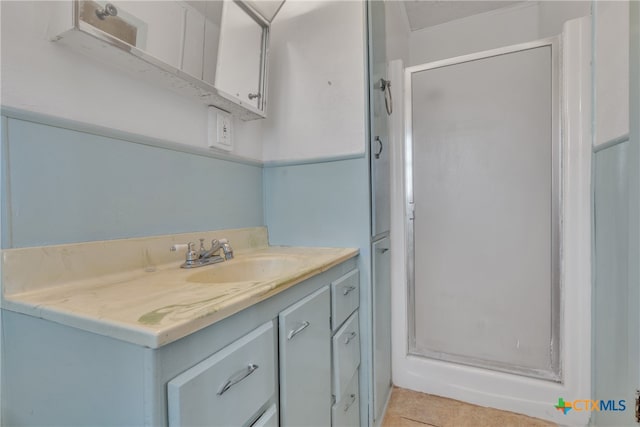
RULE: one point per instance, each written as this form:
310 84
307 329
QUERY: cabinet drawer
346 355
345 297
346 411
229 387
305 362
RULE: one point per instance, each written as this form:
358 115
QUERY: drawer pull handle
296 331
349 337
237 377
348 290
352 399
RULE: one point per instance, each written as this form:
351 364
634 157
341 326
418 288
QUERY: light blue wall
320 204
616 250
610 292
63 186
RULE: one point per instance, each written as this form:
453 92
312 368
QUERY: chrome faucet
215 247
204 256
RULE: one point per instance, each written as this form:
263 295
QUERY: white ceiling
427 13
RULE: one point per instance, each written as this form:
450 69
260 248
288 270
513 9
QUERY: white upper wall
397 31
42 76
317 104
611 71
503 27
429 13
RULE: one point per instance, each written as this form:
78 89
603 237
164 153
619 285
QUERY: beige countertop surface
155 306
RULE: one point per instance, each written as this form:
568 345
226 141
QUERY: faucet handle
179 246
226 249
191 254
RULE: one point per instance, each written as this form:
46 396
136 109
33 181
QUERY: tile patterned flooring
412 409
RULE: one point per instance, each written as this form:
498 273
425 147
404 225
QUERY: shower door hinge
411 211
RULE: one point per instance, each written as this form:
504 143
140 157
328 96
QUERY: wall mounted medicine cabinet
215 51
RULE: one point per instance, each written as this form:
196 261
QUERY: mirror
240 54
222 44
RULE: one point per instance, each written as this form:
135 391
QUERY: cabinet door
380 148
381 324
305 362
380 185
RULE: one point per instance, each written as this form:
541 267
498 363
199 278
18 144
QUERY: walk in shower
491 225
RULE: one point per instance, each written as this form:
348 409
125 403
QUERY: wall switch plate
220 132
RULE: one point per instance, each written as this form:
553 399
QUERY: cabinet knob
348 290
349 337
253 96
352 399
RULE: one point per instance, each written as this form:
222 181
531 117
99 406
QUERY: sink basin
253 269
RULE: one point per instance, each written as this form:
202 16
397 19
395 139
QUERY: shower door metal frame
555 371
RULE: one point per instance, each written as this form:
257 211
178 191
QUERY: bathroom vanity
270 338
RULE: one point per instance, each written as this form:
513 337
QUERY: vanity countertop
158 305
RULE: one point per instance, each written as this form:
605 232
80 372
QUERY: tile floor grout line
419 422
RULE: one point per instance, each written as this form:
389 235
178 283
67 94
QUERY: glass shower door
485 165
